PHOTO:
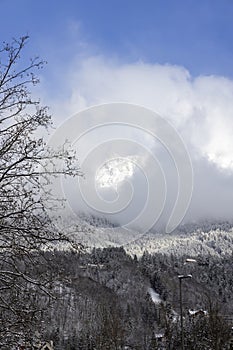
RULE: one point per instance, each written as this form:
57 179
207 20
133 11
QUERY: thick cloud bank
200 108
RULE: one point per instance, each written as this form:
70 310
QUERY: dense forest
104 300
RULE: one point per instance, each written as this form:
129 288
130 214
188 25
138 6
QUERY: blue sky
197 34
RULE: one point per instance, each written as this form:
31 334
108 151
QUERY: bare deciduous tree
25 227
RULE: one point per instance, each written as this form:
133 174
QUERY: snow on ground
154 296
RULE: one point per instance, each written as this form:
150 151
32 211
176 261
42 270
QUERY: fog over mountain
200 108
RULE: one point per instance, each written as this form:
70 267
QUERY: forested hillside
103 301
206 238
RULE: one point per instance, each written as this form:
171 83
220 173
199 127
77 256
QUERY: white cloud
200 108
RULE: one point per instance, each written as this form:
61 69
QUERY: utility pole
181 277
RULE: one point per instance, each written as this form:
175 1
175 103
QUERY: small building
47 346
199 312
